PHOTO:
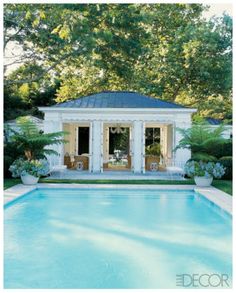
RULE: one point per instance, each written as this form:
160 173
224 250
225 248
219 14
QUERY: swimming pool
113 238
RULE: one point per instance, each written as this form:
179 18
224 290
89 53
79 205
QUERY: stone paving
116 175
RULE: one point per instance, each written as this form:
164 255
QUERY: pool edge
218 197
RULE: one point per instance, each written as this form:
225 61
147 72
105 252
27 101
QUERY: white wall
181 156
54 124
228 130
67 146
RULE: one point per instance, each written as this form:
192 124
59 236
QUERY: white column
161 143
143 147
137 146
101 147
169 143
55 126
97 146
91 147
106 144
164 142
181 155
131 146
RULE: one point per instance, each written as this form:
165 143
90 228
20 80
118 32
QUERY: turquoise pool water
107 238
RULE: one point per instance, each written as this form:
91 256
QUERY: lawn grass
9 182
224 185
110 181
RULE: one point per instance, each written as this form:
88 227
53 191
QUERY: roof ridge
116 92
118 99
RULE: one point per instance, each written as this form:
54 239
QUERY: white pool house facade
113 130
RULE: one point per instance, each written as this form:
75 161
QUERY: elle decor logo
202 280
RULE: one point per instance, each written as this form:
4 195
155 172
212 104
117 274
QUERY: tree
203 141
208 57
23 99
163 50
73 33
149 32
32 142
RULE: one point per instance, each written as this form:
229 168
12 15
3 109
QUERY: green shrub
227 162
206 144
33 141
11 153
8 160
224 150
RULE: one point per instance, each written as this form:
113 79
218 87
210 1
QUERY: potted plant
29 171
33 146
152 154
203 173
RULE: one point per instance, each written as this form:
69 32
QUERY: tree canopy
167 51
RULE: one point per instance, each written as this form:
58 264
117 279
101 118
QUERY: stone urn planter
29 179
29 171
202 181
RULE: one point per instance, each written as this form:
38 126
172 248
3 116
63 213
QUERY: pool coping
218 197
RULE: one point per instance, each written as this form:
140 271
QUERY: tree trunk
28 154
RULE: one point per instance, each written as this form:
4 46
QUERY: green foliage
224 185
202 140
164 50
33 143
223 150
10 182
36 168
153 149
23 99
11 153
227 162
204 157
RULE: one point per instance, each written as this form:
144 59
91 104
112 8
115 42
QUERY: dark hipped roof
117 99
213 121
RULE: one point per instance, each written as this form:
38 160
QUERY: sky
214 9
218 9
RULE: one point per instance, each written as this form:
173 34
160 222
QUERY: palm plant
32 142
153 149
202 141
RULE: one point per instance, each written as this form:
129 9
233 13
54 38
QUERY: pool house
118 130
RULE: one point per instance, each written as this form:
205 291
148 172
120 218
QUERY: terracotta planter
29 179
203 181
149 159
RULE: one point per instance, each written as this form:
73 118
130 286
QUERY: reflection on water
112 239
